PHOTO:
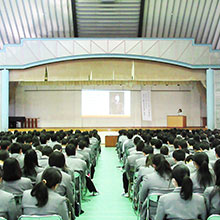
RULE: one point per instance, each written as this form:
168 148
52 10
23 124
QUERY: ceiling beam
140 27
73 3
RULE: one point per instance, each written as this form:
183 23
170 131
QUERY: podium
178 121
110 140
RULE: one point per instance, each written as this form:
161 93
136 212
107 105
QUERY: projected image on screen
105 103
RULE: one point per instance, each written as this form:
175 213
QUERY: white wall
60 106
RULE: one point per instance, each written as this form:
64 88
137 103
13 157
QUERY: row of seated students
37 171
181 167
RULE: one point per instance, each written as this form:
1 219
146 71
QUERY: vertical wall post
210 98
4 99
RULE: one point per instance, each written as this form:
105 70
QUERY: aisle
109 204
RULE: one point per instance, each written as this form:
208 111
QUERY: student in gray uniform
12 180
212 193
7 206
159 180
182 203
204 176
31 167
42 199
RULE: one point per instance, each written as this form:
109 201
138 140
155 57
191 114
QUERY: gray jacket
7 206
56 204
173 206
17 187
212 199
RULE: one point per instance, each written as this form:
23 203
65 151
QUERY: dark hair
217 150
57 147
70 150
179 155
189 158
5 144
217 172
57 159
148 149
164 150
25 148
47 151
162 165
11 170
82 144
149 160
181 174
50 178
140 146
43 139
4 155
158 144
15 148
203 174
30 162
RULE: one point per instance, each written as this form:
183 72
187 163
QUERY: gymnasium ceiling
197 19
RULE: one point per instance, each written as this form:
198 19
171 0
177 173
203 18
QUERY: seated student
42 199
204 176
13 181
3 156
7 205
130 166
147 150
46 152
212 193
65 188
31 167
189 163
81 150
179 157
144 171
16 152
164 150
182 203
158 180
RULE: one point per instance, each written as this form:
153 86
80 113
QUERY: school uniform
56 204
154 183
140 162
8 206
65 188
43 161
17 187
212 199
173 206
197 188
19 158
74 163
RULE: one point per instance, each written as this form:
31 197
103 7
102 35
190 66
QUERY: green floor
109 204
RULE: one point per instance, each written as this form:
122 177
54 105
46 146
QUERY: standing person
182 203
212 193
42 199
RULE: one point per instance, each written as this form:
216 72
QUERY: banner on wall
146 105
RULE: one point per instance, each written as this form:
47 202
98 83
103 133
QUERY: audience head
15 148
181 174
11 170
47 151
57 159
148 149
51 177
164 150
161 165
140 146
201 162
179 155
5 145
57 147
217 172
4 155
70 150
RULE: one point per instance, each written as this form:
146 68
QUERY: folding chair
149 207
214 217
40 217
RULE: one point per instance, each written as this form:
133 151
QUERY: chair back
214 217
40 217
